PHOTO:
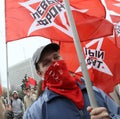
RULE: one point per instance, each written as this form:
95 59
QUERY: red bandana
59 80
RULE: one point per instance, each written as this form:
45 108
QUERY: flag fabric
27 85
103 57
25 18
0 90
90 7
108 9
71 60
0 87
113 5
112 8
102 60
68 52
32 81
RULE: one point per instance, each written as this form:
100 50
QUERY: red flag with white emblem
102 60
25 18
112 8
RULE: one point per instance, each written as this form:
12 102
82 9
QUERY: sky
23 49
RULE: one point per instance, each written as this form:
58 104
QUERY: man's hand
98 113
8 107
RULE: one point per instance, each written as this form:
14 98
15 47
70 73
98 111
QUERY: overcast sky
23 49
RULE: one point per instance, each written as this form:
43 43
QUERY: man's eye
57 57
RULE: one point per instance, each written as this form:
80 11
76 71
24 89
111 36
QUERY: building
17 73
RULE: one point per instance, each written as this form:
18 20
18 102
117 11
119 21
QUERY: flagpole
80 55
4 46
7 73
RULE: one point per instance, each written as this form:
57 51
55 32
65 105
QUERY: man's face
15 95
47 61
27 91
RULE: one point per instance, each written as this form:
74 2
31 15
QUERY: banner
25 18
112 8
90 7
102 60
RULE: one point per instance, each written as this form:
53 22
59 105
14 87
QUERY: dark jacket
8 115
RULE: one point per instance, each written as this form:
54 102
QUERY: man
2 108
29 97
8 112
17 106
64 97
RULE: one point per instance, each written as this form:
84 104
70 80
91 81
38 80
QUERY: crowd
15 107
61 95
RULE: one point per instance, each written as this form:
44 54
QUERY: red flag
31 81
0 88
68 52
114 6
48 19
102 58
27 84
90 7
113 10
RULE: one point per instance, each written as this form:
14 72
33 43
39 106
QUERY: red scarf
59 80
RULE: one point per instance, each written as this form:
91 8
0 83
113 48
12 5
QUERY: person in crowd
8 112
64 97
2 108
34 93
5 109
17 106
29 98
